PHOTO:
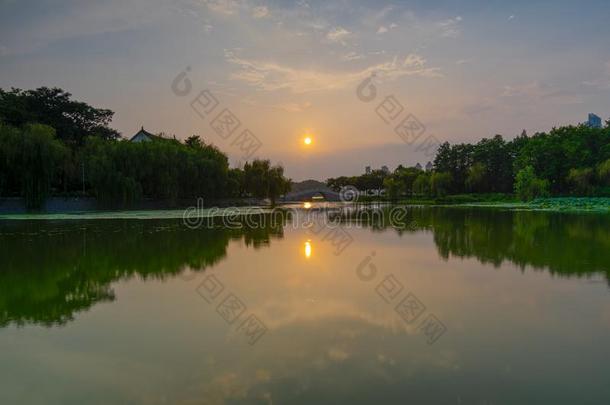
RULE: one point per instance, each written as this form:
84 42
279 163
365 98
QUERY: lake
430 305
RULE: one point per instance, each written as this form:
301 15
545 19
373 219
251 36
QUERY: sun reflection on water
308 249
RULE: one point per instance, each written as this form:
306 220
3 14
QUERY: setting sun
307 140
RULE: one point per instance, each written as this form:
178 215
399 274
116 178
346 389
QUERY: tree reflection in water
49 271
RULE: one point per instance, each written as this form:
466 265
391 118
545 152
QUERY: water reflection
513 335
50 271
308 249
561 243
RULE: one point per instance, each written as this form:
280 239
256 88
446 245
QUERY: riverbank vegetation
53 145
567 161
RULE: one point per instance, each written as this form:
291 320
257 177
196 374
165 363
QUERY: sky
454 71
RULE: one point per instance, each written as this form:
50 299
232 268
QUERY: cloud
271 76
260 12
383 29
511 17
70 20
533 89
450 28
227 7
338 35
414 60
293 107
4 51
350 56
233 7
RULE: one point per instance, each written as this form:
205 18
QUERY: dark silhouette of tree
73 121
265 181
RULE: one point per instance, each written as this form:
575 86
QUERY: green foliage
119 173
9 142
476 179
489 165
372 181
413 181
278 184
454 160
440 184
581 180
235 183
72 120
528 186
394 187
572 204
421 185
31 159
603 173
265 181
407 177
122 172
553 155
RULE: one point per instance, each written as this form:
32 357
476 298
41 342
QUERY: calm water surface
152 312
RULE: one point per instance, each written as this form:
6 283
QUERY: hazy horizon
466 70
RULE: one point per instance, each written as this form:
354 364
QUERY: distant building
142 136
367 170
418 166
429 166
594 121
385 169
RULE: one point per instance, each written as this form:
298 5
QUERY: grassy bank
559 204
509 201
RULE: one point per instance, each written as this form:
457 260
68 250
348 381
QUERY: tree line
570 160
53 145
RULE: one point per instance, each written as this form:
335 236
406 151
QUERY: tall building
594 121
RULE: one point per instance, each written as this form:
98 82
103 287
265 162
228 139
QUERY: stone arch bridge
308 195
